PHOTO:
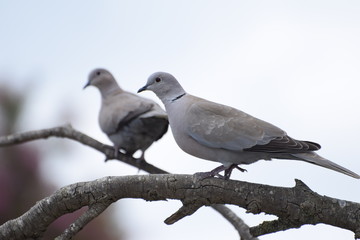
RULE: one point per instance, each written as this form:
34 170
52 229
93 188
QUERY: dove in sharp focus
227 135
131 122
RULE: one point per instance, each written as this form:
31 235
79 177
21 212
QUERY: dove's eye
158 79
98 73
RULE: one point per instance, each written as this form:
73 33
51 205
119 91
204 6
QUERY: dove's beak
87 84
142 89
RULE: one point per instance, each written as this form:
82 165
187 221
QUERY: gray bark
294 206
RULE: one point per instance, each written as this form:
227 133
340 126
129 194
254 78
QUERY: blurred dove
224 134
131 122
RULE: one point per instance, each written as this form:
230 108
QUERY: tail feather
314 158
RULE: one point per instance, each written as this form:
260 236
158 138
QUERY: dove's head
102 79
164 85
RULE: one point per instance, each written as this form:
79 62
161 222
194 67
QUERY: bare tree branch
188 208
67 131
297 204
236 221
93 211
267 227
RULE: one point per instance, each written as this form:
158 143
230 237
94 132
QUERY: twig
188 208
93 211
267 227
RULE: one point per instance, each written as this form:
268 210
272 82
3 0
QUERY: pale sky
292 63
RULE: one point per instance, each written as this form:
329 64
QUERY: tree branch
267 227
189 207
93 211
237 222
67 131
297 204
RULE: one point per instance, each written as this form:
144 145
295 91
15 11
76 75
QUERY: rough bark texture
294 206
297 206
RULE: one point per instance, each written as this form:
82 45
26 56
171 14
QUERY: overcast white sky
292 63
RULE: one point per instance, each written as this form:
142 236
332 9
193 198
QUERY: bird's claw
212 173
216 172
139 161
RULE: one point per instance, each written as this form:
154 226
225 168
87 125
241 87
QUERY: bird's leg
229 170
116 151
140 159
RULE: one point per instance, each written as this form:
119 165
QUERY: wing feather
285 144
219 126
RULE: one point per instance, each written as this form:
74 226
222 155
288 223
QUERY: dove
223 134
131 122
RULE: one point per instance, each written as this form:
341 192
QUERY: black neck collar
178 97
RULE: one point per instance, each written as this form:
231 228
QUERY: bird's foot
113 155
228 171
212 173
116 154
108 152
216 172
139 161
